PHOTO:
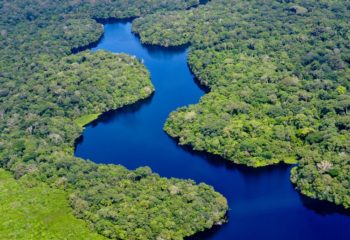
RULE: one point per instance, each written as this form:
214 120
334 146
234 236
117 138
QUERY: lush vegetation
278 72
27 215
47 95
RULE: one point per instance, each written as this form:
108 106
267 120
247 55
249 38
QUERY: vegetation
279 78
86 119
26 214
47 95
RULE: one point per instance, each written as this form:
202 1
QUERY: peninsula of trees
47 95
279 79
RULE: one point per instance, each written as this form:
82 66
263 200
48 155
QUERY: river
263 202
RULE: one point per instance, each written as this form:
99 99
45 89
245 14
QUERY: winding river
263 203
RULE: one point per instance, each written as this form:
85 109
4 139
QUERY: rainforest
260 87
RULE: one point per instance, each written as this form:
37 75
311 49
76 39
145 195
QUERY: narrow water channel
263 203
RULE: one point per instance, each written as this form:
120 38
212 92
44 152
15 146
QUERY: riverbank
133 136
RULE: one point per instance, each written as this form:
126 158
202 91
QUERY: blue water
263 203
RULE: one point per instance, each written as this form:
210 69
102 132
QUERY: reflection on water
263 202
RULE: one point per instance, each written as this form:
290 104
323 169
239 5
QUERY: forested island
47 95
279 80
278 73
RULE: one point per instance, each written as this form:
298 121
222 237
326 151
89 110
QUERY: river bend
263 203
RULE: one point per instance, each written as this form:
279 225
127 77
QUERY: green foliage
244 122
85 119
325 177
47 95
27 215
279 78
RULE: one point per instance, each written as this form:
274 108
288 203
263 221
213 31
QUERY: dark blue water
263 203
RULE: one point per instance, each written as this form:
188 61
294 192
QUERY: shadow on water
201 86
209 233
111 115
323 208
215 160
112 20
154 50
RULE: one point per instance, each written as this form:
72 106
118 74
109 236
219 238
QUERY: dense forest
278 74
47 95
279 79
26 214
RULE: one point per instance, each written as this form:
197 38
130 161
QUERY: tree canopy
47 95
278 73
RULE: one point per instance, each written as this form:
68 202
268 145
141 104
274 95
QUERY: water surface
263 203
